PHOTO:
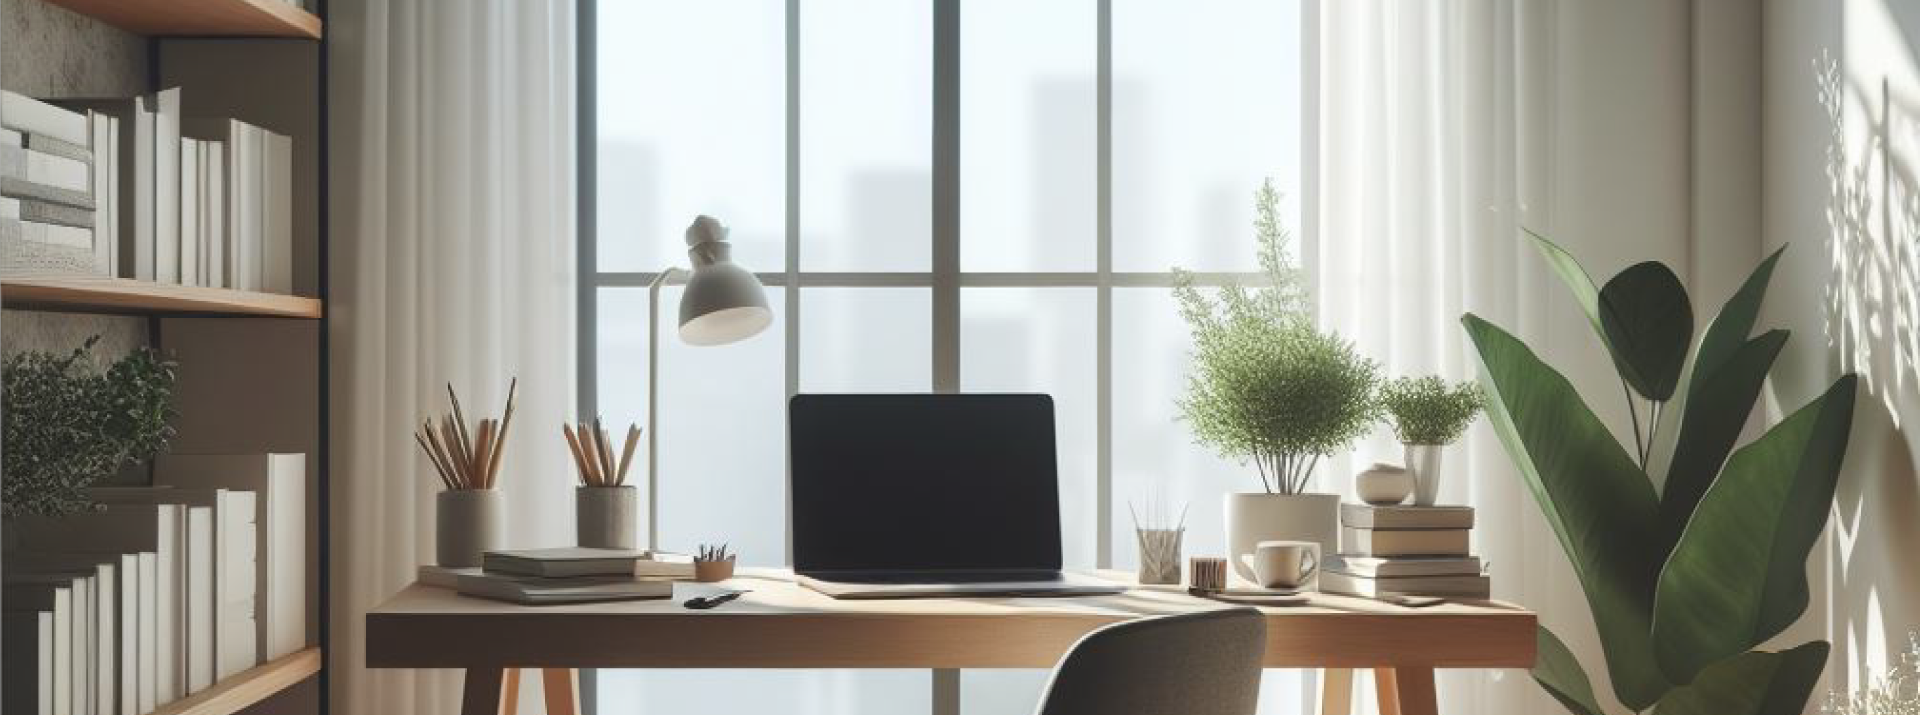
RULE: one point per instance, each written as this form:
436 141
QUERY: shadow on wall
1871 325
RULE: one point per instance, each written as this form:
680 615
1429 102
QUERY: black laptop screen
923 482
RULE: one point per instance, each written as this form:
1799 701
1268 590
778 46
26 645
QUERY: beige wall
1841 141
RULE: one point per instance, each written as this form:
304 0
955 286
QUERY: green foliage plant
1267 387
1685 579
1425 410
68 424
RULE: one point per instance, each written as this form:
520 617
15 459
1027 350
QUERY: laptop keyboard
895 577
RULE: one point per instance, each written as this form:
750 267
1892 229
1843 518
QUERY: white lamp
723 303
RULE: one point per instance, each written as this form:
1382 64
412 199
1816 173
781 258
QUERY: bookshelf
124 296
202 18
241 691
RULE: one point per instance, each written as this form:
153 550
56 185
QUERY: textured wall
47 51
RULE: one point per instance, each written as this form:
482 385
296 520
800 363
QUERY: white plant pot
1253 518
1423 462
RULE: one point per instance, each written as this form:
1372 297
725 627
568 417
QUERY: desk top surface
783 624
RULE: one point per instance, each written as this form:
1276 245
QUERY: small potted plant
1428 414
1269 388
68 424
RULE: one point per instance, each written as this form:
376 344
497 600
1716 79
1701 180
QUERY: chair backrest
1205 663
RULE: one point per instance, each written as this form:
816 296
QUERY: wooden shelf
223 18
119 295
242 691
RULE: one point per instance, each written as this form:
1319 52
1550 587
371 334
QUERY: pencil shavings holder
467 523
713 571
604 517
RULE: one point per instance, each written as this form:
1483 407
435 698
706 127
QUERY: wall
1841 141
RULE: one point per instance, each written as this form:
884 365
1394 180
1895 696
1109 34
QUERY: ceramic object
1253 518
712 571
467 523
605 516
1207 573
1383 484
1159 555
1423 462
1284 565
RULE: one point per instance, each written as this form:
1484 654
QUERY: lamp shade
723 302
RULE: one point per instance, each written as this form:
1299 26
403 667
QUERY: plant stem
1653 430
1639 448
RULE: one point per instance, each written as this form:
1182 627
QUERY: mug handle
1308 564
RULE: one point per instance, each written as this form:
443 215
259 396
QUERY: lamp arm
653 405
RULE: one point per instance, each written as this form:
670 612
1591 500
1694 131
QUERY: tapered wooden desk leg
1336 691
481 693
562 689
510 699
1416 691
1386 690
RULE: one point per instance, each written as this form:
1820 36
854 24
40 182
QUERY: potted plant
1683 580
1428 415
68 424
1268 388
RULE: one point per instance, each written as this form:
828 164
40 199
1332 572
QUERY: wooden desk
783 625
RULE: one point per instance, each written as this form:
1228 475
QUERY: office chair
1205 663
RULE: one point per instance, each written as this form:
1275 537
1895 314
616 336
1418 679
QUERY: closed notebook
1453 586
561 562
541 591
1404 542
1366 516
1390 567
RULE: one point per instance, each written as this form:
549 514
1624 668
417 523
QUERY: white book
147 697
9 207
189 212
31 116
63 658
86 615
51 234
144 170
46 169
200 622
279 484
1404 542
1394 567
216 219
102 576
10 137
227 612
276 257
127 638
246 208
106 187
166 194
129 528
1446 586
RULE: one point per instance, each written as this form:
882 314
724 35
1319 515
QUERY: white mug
1284 564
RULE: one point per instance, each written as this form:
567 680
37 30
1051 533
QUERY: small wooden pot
467 523
712 571
605 517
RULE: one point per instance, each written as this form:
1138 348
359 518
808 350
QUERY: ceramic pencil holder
467 523
713 571
605 516
1159 555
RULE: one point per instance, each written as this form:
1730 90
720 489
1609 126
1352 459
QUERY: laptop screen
923 482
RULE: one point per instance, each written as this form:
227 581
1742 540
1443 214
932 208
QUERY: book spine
58 215
23 189
42 168
49 145
31 116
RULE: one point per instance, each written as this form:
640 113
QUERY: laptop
916 496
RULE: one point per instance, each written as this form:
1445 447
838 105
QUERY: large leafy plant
69 424
1267 387
1686 578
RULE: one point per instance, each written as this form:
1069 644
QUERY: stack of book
160 591
1405 551
135 188
540 577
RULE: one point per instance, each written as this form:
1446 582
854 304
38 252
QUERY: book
149 181
15 187
561 562
1377 567
36 232
130 528
105 167
444 576
228 610
216 219
198 628
26 645
1367 516
543 591
1476 587
69 594
56 214
148 695
42 168
106 593
279 485
55 599
49 145
661 564
31 116
190 212
1404 542
276 201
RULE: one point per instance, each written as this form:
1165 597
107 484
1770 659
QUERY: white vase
1423 462
1253 518
1383 484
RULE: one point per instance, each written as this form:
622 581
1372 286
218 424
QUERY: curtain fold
452 262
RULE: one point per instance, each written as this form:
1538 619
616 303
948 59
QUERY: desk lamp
723 303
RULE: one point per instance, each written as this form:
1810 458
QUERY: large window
976 195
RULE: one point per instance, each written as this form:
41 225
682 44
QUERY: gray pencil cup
467 523
604 516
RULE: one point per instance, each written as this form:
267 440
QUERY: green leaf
1556 670
1756 683
1600 504
1718 404
1729 330
1648 323
1585 293
1738 575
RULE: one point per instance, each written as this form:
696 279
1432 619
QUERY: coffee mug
1284 564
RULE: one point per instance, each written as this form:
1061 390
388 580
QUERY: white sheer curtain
452 221
1433 153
